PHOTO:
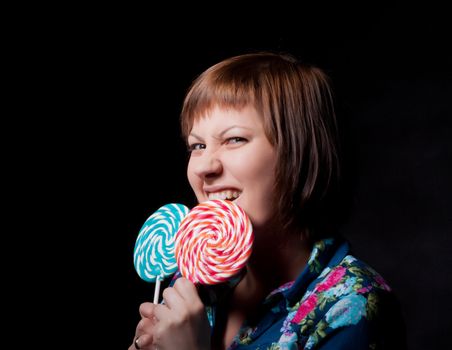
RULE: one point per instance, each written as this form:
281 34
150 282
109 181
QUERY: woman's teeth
229 195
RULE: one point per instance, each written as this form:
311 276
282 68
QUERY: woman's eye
235 140
196 147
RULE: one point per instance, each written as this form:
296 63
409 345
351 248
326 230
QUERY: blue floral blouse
337 302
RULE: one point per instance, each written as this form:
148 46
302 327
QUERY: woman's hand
180 323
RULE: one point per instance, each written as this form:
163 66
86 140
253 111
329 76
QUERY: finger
147 310
143 341
187 290
145 325
162 313
173 299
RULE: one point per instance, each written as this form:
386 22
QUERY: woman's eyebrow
221 134
192 134
234 127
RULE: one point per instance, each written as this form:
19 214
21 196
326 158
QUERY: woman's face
231 158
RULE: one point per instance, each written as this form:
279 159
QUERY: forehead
220 117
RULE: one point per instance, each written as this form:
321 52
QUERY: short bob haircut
296 104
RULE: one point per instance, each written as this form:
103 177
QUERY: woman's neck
276 259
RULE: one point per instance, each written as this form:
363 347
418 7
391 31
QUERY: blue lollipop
153 256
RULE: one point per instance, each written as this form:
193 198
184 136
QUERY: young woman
261 131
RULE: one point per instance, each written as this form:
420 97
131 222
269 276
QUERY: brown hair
296 103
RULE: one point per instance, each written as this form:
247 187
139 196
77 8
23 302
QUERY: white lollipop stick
157 289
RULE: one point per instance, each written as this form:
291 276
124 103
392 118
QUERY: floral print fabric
337 302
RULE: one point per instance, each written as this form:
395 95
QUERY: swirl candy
213 242
154 249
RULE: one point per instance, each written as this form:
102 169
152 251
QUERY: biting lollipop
153 256
213 242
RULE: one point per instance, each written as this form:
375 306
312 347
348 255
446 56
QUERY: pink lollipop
213 242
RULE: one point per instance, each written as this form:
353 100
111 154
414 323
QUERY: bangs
217 88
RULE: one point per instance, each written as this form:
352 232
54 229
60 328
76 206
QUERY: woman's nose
208 165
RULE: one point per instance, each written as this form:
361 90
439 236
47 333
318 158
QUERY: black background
119 77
